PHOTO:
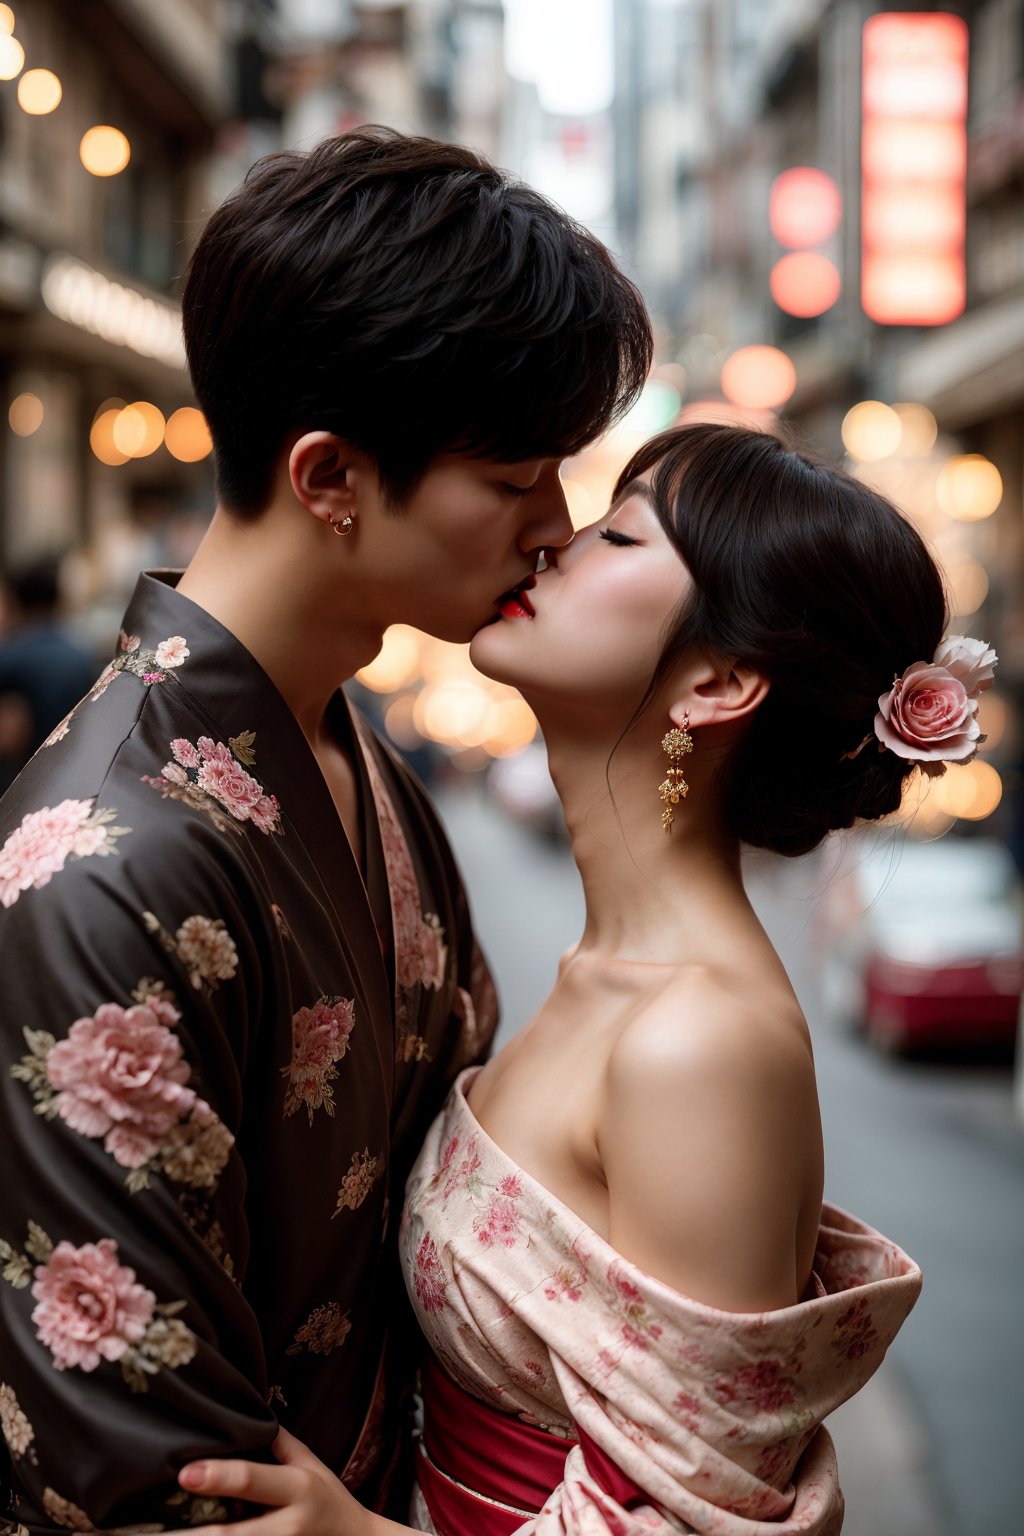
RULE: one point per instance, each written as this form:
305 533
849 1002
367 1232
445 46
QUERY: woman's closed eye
615 537
518 490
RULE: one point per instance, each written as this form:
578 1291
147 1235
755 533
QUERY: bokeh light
6 20
101 437
993 717
970 792
39 92
804 207
138 430
187 436
12 57
969 487
397 661
968 587
760 377
104 151
582 507
919 430
805 284
25 414
871 430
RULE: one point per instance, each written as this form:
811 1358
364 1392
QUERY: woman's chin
493 655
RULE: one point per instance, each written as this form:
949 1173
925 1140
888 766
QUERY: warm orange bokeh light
39 92
187 436
138 430
805 284
101 438
894 151
6 20
969 487
760 377
12 57
104 151
804 207
26 414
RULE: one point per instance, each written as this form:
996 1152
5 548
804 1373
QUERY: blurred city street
927 1151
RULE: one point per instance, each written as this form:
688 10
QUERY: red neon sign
913 163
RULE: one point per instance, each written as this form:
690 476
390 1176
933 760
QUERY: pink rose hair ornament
929 715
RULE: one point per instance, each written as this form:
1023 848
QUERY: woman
638 1310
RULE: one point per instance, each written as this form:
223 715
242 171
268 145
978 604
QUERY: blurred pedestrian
44 669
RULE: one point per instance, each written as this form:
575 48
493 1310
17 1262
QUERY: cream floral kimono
713 1418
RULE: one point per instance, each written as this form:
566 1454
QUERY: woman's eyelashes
519 490
615 537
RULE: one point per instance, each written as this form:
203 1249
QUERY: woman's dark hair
825 589
409 296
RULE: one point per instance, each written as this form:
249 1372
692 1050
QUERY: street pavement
928 1152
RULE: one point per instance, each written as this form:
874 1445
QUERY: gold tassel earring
674 787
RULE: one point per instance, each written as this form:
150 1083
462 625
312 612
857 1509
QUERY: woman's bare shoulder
710 1139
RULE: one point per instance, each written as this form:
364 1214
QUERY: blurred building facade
90 263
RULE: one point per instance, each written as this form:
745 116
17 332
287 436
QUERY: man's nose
546 522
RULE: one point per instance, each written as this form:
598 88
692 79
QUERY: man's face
468 534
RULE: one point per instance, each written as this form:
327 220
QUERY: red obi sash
483 1472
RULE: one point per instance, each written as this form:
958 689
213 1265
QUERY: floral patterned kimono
222 1043
570 1394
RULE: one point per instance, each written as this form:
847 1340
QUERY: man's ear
324 471
718 693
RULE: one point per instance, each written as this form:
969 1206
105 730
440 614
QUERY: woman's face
592 627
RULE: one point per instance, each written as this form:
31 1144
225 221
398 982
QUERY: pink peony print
499 1223
120 1075
855 1332
172 652
566 1284
421 953
88 1306
212 769
185 753
428 1276
206 949
127 643
266 813
763 1386
222 775
687 1410
320 1037
39 848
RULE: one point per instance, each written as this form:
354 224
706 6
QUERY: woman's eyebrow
634 488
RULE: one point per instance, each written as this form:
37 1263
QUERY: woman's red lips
516 604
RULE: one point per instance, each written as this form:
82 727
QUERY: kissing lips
516 604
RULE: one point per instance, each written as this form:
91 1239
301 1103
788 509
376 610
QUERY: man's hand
304 1497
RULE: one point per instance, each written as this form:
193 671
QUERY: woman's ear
722 693
324 471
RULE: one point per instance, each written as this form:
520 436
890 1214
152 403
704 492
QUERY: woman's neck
651 897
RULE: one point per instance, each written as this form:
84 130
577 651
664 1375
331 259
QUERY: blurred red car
938 944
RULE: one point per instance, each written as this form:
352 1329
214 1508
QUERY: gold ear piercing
342 525
674 787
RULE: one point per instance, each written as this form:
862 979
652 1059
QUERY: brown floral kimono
222 1044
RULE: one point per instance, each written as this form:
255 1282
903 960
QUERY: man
238 974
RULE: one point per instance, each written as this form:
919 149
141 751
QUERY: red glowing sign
804 207
805 283
913 162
